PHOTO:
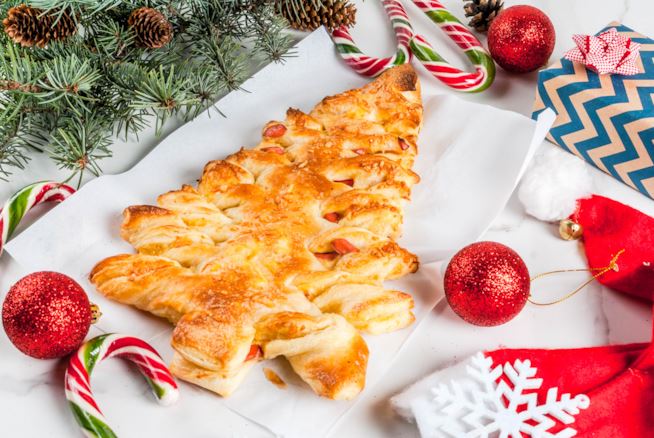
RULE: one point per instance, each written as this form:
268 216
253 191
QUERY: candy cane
451 76
78 386
371 66
22 201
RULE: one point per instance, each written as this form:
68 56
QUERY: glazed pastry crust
283 248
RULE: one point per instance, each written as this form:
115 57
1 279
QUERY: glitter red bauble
521 39
46 315
487 283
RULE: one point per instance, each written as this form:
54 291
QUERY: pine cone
28 27
482 13
331 14
151 28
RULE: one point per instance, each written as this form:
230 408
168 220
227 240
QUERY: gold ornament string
612 266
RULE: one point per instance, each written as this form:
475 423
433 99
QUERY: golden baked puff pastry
281 250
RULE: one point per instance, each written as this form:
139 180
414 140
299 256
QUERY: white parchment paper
471 157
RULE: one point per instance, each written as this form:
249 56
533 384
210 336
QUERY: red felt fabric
618 379
608 227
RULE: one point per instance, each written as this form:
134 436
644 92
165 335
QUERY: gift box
606 119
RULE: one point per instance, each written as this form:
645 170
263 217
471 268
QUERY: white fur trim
553 183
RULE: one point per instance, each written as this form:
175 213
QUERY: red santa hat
602 392
558 187
618 381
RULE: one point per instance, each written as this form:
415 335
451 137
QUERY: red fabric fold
618 379
609 227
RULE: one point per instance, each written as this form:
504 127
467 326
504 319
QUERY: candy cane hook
484 73
369 65
25 199
78 378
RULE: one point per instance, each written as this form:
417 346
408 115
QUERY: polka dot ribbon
607 53
410 44
24 200
78 378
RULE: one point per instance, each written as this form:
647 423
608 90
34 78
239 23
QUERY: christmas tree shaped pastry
281 250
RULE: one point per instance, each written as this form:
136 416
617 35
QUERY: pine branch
270 37
79 144
17 72
72 96
70 79
125 79
7 85
164 93
113 39
226 57
12 149
205 86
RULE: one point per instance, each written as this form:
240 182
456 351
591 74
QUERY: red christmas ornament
487 283
47 315
521 39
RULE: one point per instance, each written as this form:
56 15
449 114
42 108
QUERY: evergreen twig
71 97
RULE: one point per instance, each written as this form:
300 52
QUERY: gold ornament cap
95 313
570 230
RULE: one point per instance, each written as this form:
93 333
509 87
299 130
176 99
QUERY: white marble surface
31 398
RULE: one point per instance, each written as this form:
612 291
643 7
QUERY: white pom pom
553 183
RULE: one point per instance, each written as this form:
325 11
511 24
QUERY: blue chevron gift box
608 120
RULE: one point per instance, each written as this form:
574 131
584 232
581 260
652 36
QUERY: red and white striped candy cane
451 76
26 198
442 70
78 378
369 65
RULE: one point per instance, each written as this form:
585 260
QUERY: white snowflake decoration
477 406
